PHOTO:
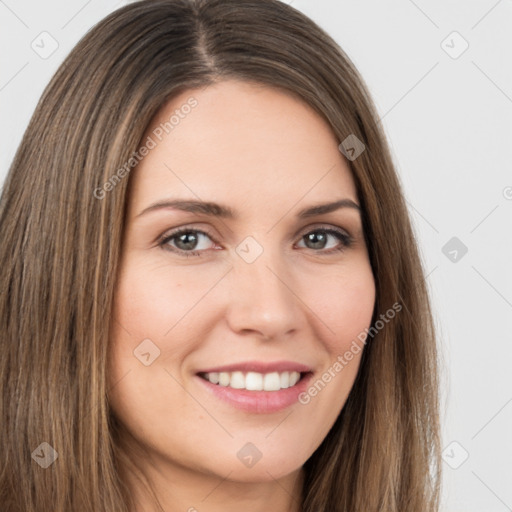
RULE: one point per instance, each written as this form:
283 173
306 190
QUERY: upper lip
260 367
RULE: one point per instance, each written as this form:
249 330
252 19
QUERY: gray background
448 116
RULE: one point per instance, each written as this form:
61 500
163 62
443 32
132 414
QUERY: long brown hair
60 248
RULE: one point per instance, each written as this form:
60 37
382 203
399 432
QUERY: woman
212 298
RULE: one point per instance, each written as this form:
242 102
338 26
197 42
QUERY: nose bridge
263 267
261 296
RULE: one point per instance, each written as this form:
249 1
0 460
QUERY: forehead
241 143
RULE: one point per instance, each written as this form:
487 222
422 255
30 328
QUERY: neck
179 489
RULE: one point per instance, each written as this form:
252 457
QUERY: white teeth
271 382
294 378
254 381
237 380
213 377
223 378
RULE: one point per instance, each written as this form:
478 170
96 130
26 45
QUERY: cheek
152 298
344 308
344 304
156 302
150 314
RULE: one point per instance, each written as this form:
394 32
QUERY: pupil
188 245
313 237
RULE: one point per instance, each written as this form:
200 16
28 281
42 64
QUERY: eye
318 239
184 240
187 241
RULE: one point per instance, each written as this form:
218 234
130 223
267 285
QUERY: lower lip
258 401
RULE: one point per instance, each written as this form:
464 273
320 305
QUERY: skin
266 155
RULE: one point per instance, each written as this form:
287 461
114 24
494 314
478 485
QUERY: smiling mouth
254 381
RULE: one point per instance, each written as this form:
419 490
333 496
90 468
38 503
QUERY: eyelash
345 239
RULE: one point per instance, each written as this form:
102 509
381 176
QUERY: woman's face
254 299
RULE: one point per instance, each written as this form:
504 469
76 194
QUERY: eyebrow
217 210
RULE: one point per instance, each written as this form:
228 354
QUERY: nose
262 300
